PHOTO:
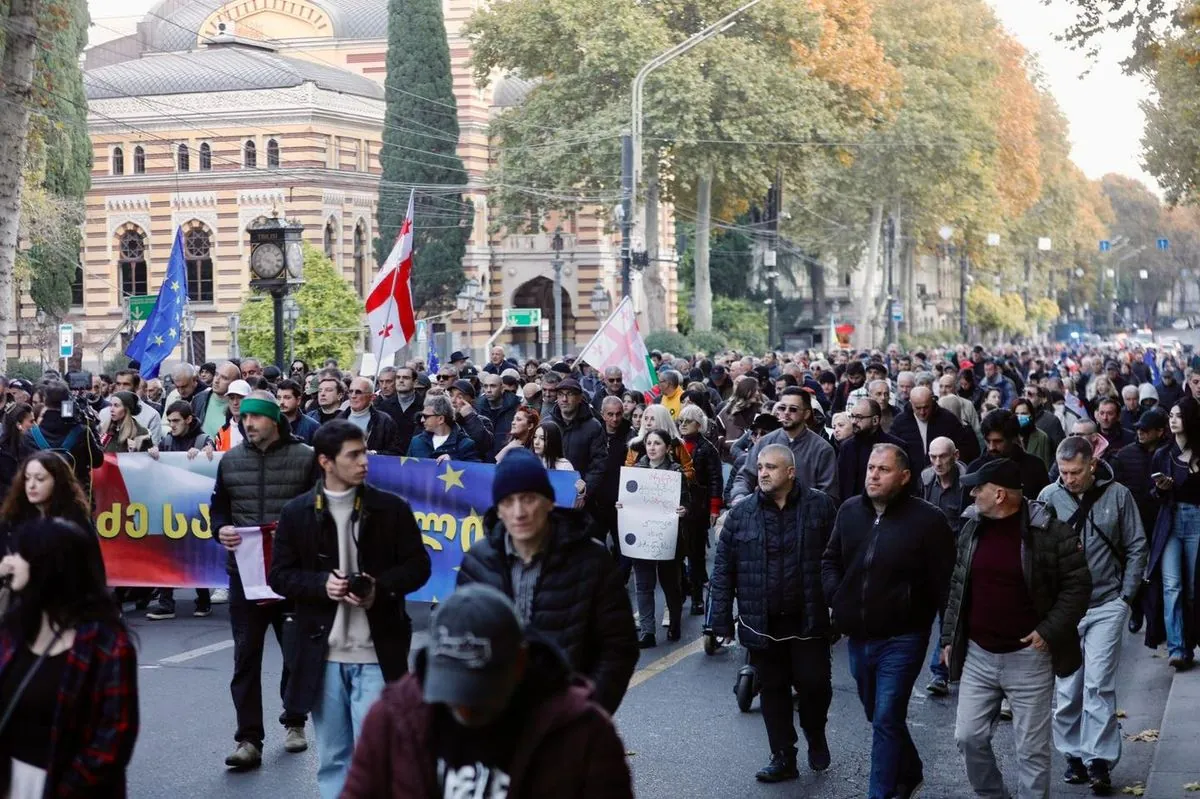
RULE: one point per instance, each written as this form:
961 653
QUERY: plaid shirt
96 717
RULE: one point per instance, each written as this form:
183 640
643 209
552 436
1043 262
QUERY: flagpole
596 336
387 320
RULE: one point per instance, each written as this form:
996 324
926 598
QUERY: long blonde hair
660 419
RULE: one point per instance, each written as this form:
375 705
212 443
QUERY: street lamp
772 277
291 315
471 300
556 244
946 232
189 319
234 349
601 302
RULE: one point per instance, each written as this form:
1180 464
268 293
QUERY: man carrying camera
68 429
348 554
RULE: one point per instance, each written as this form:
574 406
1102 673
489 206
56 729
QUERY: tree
330 324
1172 148
420 151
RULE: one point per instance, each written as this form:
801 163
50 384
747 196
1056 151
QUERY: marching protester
255 480
399 399
291 399
121 431
73 436
68 668
378 428
923 421
490 710
1033 440
498 407
442 438
1019 590
769 561
1002 438
905 544
525 423
855 453
1105 516
130 382
816 463
582 433
941 486
563 583
616 431
353 632
18 420
232 432
329 405
706 498
477 427
1133 468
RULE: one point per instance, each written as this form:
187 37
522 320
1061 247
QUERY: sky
1102 106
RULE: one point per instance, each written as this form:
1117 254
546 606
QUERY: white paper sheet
647 520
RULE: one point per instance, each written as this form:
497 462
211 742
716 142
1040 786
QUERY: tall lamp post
600 301
471 300
889 237
772 281
556 244
291 315
276 266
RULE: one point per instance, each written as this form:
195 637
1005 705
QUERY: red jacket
569 749
96 718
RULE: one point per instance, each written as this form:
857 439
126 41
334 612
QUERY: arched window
77 287
205 157
360 259
185 160
139 160
330 233
197 251
272 154
118 161
249 155
132 264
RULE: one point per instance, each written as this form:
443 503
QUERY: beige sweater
350 638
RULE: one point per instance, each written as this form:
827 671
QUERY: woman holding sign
646 573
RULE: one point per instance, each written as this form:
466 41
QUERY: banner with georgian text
153 516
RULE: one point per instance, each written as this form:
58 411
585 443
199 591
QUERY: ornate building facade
213 114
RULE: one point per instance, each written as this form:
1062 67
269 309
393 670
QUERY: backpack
63 450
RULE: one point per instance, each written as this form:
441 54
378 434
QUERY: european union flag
159 336
431 365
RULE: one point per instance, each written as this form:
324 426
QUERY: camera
360 584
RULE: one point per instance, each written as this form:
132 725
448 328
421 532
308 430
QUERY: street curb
1175 762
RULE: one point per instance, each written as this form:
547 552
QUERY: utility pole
962 293
771 256
626 213
556 244
889 237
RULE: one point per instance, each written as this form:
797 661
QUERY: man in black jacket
74 437
923 421
616 433
347 554
1020 587
476 426
498 407
865 418
885 574
563 582
582 433
769 560
1132 465
614 386
399 399
1002 437
379 429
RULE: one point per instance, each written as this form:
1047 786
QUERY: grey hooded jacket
1115 515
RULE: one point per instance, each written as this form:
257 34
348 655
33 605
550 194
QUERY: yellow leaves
1191 786
1018 177
1145 736
1137 789
1120 714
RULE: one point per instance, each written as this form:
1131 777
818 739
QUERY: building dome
175 25
511 91
220 68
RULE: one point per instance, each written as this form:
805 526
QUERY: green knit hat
261 407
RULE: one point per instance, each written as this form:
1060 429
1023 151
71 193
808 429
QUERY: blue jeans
1179 576
885 670
348 691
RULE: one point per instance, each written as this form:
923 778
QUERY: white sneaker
666 618
220 596
1005 710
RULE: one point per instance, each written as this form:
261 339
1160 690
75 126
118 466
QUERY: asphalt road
680 723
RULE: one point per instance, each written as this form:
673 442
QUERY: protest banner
647 521
153 516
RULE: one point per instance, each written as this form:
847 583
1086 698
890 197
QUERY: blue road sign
1105 245
1163 244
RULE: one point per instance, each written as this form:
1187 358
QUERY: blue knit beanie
520 471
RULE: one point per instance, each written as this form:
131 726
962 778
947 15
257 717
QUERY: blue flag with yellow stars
164 327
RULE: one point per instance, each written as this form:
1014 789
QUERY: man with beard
399 399
815 461
1043 417
1002 437
856 375
855 452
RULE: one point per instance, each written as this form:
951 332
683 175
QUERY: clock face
267 261
295 260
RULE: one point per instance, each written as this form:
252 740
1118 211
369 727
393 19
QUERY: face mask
1024 420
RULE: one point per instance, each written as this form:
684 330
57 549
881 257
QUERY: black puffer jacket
585 445
707 494
1056 575
580 602
1132 468
740 570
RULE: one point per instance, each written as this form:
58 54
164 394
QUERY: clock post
276 267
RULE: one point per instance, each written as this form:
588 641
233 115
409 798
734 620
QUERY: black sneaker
781 768
1099 778
160 611
938 686
647 642
202 611
818 751
697 607
1076 773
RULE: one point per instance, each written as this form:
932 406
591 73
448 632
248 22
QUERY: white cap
239 387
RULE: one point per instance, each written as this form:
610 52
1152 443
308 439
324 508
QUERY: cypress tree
420 150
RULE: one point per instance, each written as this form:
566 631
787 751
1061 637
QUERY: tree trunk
816 279
16 89
865 333
655 280
703 317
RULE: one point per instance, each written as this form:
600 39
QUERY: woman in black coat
705 501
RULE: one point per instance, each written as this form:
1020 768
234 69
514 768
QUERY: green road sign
523 317
141 306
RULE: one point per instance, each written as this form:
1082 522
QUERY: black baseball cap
22 384
570 384
1003 472
475 638
765 422
1153 419
465 387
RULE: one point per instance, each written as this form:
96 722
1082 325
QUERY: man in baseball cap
482 692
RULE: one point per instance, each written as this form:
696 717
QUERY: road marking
665 662
192 654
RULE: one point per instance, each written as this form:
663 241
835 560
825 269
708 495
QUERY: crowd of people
1022 507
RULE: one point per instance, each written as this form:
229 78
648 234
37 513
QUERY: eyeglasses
614 379
858 418
789 409
444 378
356 392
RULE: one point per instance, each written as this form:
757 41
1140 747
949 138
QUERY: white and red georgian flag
389 302
619 343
